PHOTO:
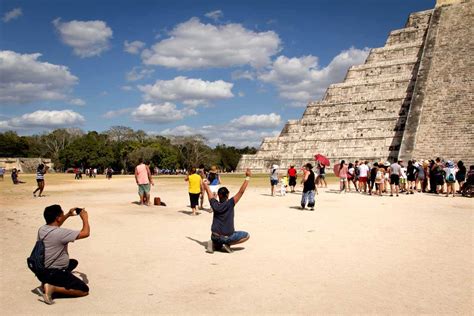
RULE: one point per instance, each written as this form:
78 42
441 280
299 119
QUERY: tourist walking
273 178
194 189
395 172
309 187
363 176
223 233
292 175
351 177
143 179
40 172
450 177
343 171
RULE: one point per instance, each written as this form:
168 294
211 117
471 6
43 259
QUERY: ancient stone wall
441 117
361 118
25 165
412 98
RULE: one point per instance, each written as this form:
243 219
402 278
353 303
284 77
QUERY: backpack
36 260
450 177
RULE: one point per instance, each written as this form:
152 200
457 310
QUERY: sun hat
450 164
213 169
275 167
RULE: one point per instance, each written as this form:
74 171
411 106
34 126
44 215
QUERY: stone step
404 74
405 35
395 52
420 19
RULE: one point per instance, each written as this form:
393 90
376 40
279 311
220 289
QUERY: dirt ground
355 254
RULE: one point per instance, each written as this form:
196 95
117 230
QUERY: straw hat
213 169
275 167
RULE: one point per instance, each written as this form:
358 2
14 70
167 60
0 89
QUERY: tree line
120 148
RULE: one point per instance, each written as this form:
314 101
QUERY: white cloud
115 113
160 113
133 47
242 74
193 44
25 79
218 134
127 88
78 102
256 121
187 90
87 38
11 15
139 73
302 79
214 15
46 119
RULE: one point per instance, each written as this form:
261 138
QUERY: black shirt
309 185
223 217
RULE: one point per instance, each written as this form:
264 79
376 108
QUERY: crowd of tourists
428 176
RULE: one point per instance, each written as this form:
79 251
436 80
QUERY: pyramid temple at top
411 99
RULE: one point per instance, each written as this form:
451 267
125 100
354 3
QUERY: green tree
12 145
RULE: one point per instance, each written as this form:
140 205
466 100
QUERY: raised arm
205 186
86 230
239 194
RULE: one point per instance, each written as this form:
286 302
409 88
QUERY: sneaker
311 209
227 248
210 247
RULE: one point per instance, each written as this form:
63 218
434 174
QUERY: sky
232 71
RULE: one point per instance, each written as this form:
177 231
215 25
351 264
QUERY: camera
78 210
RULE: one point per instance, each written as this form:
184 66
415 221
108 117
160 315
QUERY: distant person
16 177
214 180
292 175
351 176
395 171
309 187
461 174
109 173
40 172
380 179
94 172
372 177
363 176
450 177
223 233
322 175
403 177
57 278
273 178
194 189
143 179
411 177
2 173
343 173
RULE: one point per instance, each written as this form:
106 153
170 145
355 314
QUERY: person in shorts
292 175
194 189
223 233
363 175
58 278
395 171
273 178
143 179
40 172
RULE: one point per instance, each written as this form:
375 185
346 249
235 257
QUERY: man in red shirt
292 176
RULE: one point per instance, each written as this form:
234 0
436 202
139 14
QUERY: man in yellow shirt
195 183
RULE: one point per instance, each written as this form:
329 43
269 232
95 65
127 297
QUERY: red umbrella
323 160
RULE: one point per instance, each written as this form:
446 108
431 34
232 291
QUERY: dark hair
140 160
309 166
223 194
350 165
410 163
51 213
40 167
342 163
376 164
460 163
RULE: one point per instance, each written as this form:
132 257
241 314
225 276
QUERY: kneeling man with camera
57 277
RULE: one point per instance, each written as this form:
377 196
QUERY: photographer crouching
56 276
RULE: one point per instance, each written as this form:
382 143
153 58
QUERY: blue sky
234 71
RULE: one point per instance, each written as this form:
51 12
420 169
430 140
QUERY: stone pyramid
392 105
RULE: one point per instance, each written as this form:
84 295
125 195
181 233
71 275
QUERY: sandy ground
354 254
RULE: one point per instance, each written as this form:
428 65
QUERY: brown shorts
363 179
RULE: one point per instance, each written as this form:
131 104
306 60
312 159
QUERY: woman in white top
40 172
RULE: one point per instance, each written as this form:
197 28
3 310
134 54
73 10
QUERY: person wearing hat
450 177
273 178
309 187
214 180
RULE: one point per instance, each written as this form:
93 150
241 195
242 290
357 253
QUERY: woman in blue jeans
309 187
